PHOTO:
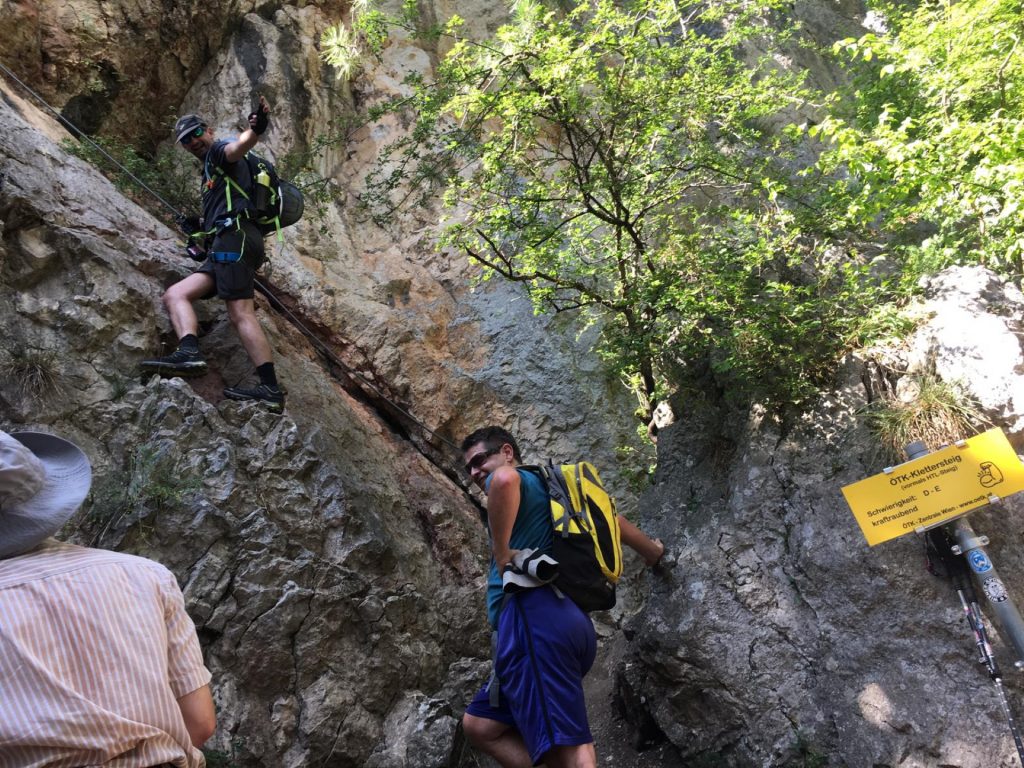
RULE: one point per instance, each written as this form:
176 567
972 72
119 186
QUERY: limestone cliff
330 567
781 631
332 557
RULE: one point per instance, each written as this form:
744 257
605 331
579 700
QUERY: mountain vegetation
647 167
624 162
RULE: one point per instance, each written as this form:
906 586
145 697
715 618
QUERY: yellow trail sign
935 488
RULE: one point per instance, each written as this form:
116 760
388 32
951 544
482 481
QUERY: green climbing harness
276 202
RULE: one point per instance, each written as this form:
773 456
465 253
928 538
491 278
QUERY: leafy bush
149 482
927 144
613 159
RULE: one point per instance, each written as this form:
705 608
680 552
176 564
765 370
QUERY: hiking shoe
272 397
181 362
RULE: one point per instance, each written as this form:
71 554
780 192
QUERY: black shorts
234 279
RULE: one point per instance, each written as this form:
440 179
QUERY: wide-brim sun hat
43 480
186 125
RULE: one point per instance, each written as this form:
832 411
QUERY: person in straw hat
99 662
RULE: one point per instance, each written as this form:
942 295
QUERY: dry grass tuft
940 414
33 373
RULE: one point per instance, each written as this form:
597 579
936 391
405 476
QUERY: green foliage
344 47
939 413
372 27
340 48
149 482
614 161
216 758
637 461
171 174
928 143
805 755
119 386
885 323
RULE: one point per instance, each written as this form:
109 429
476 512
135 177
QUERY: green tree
928 143
614 160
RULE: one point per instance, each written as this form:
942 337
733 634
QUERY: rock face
332 558
331 568
779 634
393 308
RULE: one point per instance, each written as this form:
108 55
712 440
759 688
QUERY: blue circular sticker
979 561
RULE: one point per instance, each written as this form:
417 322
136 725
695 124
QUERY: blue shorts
546 645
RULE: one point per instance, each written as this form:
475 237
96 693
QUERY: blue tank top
531 530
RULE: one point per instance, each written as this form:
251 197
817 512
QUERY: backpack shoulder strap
229 182
563 510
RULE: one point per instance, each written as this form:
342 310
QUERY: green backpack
278 203
586 540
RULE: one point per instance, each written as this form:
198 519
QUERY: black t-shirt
215 199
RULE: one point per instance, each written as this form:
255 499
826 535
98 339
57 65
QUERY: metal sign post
931 493
972 547
955 545
942 557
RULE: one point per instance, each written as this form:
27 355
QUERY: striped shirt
95 650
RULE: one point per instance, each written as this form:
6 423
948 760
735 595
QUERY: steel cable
280 306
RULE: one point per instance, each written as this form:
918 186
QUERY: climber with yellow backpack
238 210
555 555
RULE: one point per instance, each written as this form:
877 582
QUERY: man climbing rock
229 263
533 710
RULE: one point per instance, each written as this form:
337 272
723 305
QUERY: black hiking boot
181 362
272 397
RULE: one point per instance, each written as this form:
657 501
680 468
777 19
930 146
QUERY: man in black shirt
232 259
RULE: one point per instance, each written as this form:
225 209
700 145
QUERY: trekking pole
940 544
953 557
972 547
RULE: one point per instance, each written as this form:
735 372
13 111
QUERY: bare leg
581 756
243 316
178 300
500 741
649 549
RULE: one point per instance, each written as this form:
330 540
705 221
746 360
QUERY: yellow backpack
586 540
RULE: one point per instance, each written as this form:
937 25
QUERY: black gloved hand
259 120
189 225
196 252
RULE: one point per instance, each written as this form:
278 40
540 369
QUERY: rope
326 352
281 308
82 136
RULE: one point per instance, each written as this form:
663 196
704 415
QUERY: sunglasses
478 461
199 131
